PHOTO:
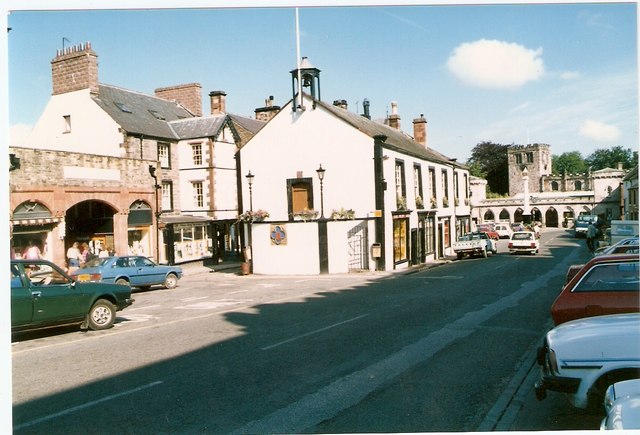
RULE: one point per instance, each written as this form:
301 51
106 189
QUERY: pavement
235 267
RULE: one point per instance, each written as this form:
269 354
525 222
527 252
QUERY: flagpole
298 57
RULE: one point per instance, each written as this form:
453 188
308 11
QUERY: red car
607 284
489 229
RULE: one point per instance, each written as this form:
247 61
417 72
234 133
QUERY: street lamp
250 181
320 172
156 188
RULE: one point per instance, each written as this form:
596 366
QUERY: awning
36 221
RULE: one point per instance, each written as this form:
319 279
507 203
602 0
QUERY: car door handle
36 294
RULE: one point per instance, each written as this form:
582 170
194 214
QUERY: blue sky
562 74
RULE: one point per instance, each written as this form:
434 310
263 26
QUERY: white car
622 404
504 231
582 358
523 241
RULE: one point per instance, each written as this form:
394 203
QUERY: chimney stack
341 104
75 68
218 102
365 106
420 130
267 112
393 120
188 95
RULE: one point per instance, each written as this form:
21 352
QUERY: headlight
609 398
553 362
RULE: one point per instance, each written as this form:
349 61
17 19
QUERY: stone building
113 167
553 200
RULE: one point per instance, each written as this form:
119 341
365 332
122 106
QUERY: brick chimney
75 68
420 130
268 111
188 95
218 102
393 120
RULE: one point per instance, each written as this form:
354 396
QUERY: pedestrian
73 255
104 253
32 252
592 232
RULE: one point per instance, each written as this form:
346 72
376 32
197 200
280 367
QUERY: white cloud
18 134
570 75
520 107
495 64
599 131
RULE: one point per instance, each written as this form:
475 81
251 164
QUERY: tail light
87 277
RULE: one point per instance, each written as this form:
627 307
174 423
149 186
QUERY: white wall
92 130
286 259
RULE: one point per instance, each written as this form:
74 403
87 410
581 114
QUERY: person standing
592 232
32 252
73 255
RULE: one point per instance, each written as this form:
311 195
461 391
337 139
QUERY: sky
561 74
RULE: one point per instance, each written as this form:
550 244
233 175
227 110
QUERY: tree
489 160
571 163
609 158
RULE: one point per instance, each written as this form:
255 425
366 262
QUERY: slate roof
141 114
396 139
132 111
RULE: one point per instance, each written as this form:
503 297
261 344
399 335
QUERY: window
163 155
432 187
196 152
578 185
518 158
157 115
529 157
610 277
554 186
300 195
445 187
123 107
417 186
67 124
400 236
167 195
401 188
198 197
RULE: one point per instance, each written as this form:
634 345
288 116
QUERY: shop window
400 239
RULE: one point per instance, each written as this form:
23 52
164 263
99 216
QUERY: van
504 230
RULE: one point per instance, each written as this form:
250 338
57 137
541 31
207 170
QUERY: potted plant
305 215
343 214
419 202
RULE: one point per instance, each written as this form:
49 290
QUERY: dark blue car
133 271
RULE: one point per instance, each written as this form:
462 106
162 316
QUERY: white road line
84 406
313 332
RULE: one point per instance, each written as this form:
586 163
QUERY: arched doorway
505 216
139 224
551 218
90 222
517 216
536 215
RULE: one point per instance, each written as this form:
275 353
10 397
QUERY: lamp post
321 172
250 177
156 188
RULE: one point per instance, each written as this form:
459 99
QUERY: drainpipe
380 185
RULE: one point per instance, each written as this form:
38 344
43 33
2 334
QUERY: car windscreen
521 236
623 276
96 262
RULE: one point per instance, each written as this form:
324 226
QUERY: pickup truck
477 243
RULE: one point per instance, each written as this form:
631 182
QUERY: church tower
536 158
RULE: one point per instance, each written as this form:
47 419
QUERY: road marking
314 332
84 406
443 277
195 298
212 305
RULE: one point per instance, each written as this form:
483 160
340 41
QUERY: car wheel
171 281
102 315
122 281
459 255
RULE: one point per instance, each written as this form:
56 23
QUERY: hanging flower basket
347 214
305 215
253 216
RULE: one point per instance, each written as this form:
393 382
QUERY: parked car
628 245
523 241
132 271
43 295
583 357
504 231
478 243
622 406
607 284
489 229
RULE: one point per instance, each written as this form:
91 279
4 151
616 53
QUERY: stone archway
90 222
551 218
488 216
517 215
504 216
